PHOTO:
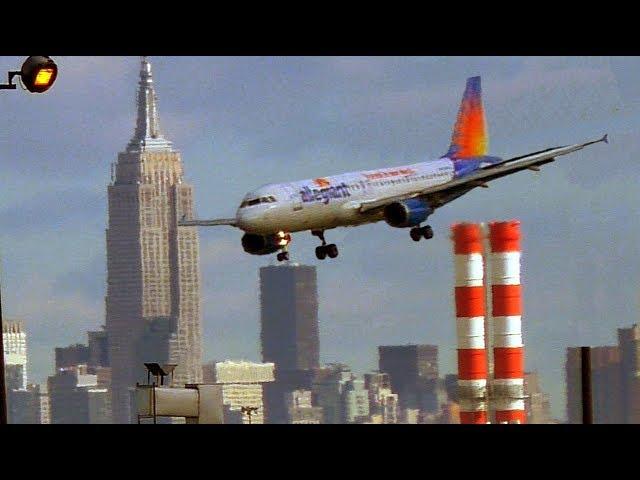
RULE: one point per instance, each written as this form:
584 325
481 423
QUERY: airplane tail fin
470 137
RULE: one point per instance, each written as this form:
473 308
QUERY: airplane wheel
321 252
332 250
416 234
427 232
279 257
285 256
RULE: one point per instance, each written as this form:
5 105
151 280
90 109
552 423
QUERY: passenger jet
404 197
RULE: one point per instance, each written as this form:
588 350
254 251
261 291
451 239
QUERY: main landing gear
418 232
283 256
324 250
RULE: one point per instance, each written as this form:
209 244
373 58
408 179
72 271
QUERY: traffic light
37 74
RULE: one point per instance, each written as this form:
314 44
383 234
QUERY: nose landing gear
284 240
283 256
324 250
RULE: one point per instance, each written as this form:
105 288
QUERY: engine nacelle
264 244
407 213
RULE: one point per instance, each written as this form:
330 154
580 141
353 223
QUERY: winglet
605 139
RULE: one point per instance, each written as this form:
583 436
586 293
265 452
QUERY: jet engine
264 244
407 213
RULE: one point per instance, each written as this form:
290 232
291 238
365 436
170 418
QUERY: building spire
147 135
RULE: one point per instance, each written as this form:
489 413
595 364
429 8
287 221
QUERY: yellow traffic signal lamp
36 75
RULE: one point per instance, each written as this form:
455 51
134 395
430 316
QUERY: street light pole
3 389
585 373
249 411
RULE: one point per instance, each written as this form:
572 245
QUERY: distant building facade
242 386
413 373
343 397
76 398
608 387
300 408
383 403
14 342
537 403
28 406
98 349
77 354
289 334
355 400
629 345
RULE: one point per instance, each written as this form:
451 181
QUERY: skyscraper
629 344
153 277
77 354
329 387
300 408
413 372
289 332
76 397
30 405
537 403
608 387
14 341
289 316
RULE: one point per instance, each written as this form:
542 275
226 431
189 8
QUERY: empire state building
153 276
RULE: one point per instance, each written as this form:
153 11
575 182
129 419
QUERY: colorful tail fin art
470 137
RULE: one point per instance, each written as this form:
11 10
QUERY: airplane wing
440 195
207 223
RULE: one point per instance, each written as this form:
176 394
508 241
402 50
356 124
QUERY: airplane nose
253 220
248 220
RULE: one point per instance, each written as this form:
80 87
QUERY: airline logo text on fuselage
324 194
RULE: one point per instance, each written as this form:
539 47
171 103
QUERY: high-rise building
383 404
98 349
300 408
153 277
608 386
328 389
29 406
537 403
413 372
14 342
629 345
451 386
450 413
355 399
289 332
289 316
75 397
77 354
242 385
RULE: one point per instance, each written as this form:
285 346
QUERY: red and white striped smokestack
470 312
508 349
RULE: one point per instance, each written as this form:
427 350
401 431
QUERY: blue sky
241 122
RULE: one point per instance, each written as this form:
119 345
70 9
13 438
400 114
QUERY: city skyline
249 121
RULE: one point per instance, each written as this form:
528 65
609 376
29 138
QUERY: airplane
403 196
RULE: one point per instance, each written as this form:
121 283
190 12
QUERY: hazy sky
242 122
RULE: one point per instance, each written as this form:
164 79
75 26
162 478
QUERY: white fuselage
329 202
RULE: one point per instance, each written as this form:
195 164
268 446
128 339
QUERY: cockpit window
256 201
